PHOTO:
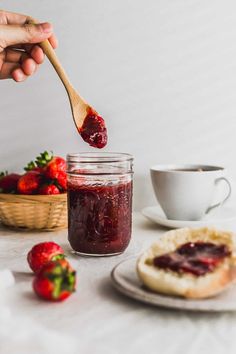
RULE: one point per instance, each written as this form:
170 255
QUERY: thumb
28 33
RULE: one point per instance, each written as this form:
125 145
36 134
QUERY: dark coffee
190 169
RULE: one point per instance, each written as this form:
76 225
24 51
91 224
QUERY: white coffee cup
186 192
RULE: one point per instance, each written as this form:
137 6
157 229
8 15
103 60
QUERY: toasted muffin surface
184 284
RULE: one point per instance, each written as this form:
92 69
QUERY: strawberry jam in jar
99 202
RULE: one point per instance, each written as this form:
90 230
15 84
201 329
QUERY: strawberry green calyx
44 158
58 256
63 281
41 161
30 166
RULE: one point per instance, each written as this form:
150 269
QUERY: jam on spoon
93 130
197 258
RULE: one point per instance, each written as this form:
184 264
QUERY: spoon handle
51 55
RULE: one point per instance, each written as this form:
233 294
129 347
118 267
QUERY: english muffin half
202 274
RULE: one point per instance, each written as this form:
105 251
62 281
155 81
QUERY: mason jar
99 202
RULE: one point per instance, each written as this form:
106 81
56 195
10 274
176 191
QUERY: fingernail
46 27
19 75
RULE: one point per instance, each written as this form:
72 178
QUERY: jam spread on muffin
197 258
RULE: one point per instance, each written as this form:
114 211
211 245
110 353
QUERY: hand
20 56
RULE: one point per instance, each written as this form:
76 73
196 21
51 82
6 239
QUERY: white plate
125 279
219 217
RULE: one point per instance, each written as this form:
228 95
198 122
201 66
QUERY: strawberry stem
44 158
63 280
30 166
58 256
41 161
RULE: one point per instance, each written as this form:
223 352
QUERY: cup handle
217 181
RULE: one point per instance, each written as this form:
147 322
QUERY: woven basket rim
37 198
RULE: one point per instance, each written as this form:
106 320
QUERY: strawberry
48 189
42 253
53 171
29 182
55 167
62 181
8 182
55 281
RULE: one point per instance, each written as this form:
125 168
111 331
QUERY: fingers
37 54
17 31
22 72
29 66
18 56
28 33
15 56
53 41
12 18
19 65
7 69
35 51
18 75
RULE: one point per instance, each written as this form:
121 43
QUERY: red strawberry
55 281
42 253
55 167
48 189
62 180
8 183
29 182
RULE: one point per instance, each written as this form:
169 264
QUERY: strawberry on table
29 183
42 253
56 281
8 182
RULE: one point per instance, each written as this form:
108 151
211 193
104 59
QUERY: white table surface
97 319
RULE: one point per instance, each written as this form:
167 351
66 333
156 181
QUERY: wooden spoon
79 107
96 134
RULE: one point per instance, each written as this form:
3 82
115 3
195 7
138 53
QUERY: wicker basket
41 212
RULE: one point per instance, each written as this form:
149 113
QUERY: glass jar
99 202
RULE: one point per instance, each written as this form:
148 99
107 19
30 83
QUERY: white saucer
125 280
218 217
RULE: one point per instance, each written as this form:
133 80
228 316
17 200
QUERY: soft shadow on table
146 224
107 290
30 295
22 276
24 230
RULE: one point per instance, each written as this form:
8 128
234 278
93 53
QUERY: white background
161 72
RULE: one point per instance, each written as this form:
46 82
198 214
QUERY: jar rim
99 157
